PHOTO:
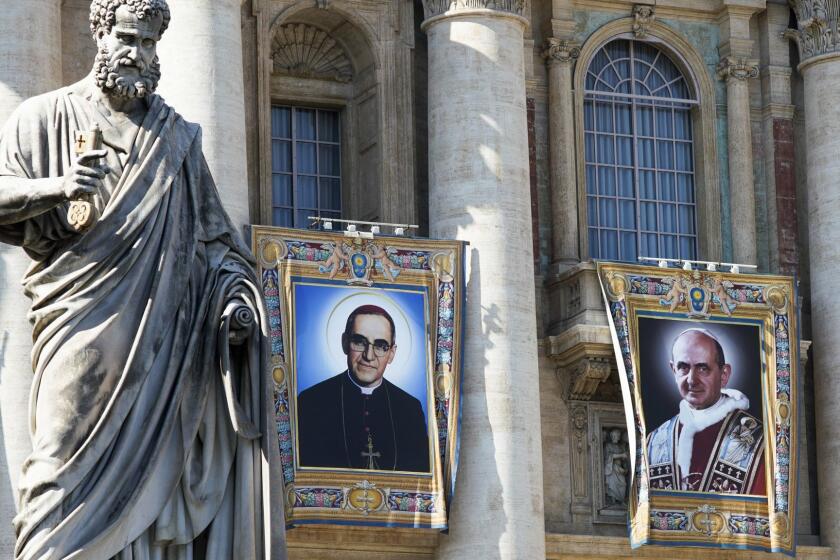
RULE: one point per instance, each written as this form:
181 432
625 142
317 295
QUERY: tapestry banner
366 360
708 365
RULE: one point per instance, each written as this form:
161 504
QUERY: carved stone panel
610 463
304 51
581 502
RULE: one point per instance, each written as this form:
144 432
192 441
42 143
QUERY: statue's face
127 62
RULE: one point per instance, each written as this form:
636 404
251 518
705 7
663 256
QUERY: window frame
708 165
595 99
294 208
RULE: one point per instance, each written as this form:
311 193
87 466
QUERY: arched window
639 154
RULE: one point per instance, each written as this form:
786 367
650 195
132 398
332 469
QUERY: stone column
560 56
30 63
201 62
736 72
479 192
820 69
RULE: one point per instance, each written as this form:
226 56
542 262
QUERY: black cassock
339 426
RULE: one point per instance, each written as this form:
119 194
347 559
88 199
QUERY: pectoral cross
370 454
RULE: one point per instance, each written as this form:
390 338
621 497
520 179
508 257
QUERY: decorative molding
579 420
433 8
643 16
585 377
738 68
817 27
560 50
304 51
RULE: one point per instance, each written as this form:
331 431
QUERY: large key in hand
83 213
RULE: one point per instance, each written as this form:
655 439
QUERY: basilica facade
546 133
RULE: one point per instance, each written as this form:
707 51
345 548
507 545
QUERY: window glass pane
686 219
666 187
592 211
627 217
588 118
590 147
623 118
281 122
683 156
685 187
628 246
647 215
664 154
281 217
649 245
328 126
603 117
606 150
606 181
281 190
306 161
646 156
329 160
669 217
644 121
664 126
625 182
594 248
330 194
281 156
305 124
591 182
688 249
607 213
647 184
302 218
624 145
682 128
307 192
609 244
669 247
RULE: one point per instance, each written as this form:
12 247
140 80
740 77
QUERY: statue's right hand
86 175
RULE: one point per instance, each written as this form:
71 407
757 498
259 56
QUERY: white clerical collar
365 390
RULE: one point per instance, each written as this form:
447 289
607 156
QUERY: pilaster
480 192
736 67
560 56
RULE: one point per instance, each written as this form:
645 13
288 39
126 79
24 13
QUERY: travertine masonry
479 192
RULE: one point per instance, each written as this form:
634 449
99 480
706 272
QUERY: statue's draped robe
151 434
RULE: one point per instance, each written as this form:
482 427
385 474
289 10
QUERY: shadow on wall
7 494
475 477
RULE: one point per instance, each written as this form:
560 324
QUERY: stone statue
150 408
615 469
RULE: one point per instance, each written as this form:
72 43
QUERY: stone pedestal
736 72
201 62
479 192
30 40
560 57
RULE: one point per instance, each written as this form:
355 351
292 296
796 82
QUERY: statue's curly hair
103 12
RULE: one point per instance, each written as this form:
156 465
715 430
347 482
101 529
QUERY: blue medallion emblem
697 297
359 266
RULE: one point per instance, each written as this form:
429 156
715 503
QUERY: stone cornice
560 51
432 8
816 34
738 68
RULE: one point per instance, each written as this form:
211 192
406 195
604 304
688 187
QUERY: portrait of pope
712 444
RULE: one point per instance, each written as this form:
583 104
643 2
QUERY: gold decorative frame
288 257
686 518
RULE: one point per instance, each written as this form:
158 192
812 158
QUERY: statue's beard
110 79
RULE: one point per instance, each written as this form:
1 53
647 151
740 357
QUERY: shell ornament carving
304 51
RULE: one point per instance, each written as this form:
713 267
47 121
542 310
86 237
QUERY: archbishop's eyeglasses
358 343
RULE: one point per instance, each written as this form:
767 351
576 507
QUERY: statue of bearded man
150 409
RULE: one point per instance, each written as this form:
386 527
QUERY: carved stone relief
560 50
304 51
610 463
817 27
580 462
437 7
643 16
736 68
